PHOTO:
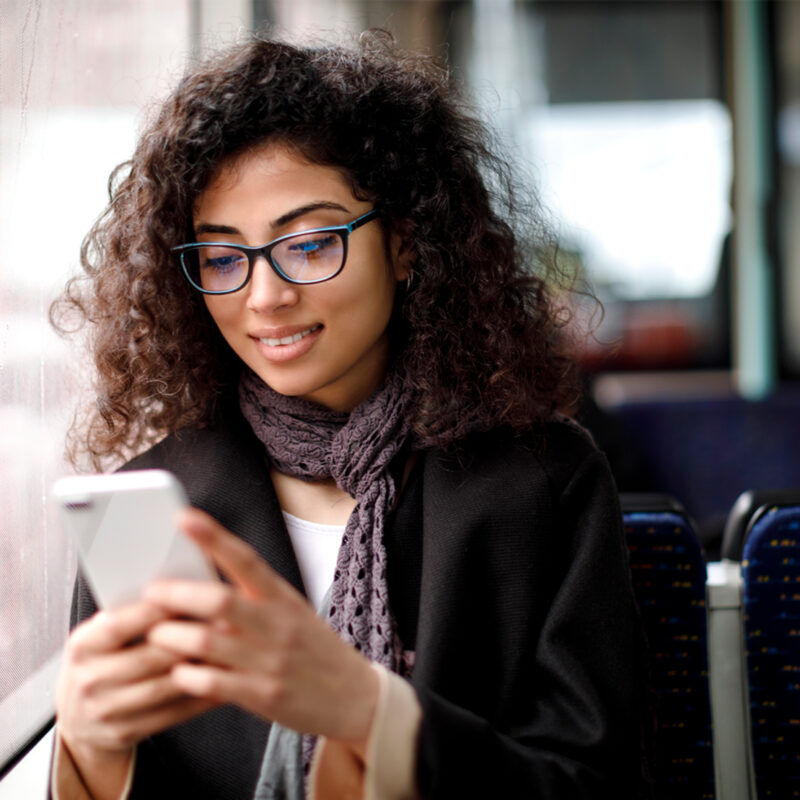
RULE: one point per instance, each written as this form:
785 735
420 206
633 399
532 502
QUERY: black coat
507 574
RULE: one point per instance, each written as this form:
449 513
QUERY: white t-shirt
316 547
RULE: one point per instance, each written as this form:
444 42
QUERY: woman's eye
315 246
222 263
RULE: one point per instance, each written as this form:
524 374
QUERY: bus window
73 79
619 109
787 127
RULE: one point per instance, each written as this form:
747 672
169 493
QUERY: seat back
771 607
668 572
746 511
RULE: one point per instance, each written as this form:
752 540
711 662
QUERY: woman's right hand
114 689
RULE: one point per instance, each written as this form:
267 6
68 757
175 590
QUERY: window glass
618 109
73 76
787 73
76 80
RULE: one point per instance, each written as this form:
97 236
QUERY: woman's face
343 349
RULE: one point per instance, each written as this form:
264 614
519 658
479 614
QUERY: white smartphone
124 529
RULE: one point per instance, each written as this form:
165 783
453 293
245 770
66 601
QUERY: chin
286 385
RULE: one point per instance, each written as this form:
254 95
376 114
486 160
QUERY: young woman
305 291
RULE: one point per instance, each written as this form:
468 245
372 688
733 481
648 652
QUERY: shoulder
222 467
225 472
226 447
546 459
504 493
226 438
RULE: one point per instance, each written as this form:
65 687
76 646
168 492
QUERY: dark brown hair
480 338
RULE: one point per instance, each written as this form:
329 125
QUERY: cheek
226 318
220 312
376 301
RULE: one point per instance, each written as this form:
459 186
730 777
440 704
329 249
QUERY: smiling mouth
289 339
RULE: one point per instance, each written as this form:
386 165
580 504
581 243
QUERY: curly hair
481 335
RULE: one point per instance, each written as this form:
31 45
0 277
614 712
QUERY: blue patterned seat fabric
669 581
771 603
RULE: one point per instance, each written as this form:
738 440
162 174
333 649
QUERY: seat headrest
749 506
649 502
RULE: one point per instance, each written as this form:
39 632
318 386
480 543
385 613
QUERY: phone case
123 525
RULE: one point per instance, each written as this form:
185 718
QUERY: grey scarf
310 442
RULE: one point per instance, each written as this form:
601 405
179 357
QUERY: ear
402 254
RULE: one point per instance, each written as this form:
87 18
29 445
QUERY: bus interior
663 139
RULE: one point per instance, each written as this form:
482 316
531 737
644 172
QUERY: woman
305 290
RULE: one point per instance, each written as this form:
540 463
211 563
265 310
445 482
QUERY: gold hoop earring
409 278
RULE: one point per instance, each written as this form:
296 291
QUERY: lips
286 344
289 339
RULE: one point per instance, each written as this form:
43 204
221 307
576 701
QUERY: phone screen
124 528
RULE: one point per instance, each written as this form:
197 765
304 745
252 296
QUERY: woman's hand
258 643
115 689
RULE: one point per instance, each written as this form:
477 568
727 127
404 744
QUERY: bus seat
668 570
771 615
746 511
744 671
727 444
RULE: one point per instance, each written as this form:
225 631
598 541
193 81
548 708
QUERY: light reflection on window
73 79
639 189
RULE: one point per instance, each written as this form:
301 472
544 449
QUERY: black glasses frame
254 251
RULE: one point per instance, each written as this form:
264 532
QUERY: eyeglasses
307 257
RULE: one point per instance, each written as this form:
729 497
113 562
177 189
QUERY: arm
258 644
114 689
530 657
387 771
216 755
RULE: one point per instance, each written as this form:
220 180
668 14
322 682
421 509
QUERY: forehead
276 166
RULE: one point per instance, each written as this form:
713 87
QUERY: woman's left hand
258 644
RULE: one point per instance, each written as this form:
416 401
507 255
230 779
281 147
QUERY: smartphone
123 526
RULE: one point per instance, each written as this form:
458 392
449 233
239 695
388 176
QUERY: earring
409 278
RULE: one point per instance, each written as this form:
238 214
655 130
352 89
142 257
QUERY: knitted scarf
311 442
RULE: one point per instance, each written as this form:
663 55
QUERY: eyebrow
284 219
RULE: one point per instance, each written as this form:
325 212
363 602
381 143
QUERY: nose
267 292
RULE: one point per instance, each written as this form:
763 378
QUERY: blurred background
662 137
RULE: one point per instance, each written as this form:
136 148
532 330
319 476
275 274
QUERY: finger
136 698
107 631
221 606
235 558
260 694
198 641
176 712
194 599
253 692
128 731
132 664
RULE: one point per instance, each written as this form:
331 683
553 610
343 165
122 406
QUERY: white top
316 547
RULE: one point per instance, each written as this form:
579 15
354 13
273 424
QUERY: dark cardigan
507 574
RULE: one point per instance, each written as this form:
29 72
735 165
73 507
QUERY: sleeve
66 782
216 755
545 698
83 604
391 750
389 771
192 759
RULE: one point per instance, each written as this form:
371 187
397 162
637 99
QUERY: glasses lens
310 256
216 268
